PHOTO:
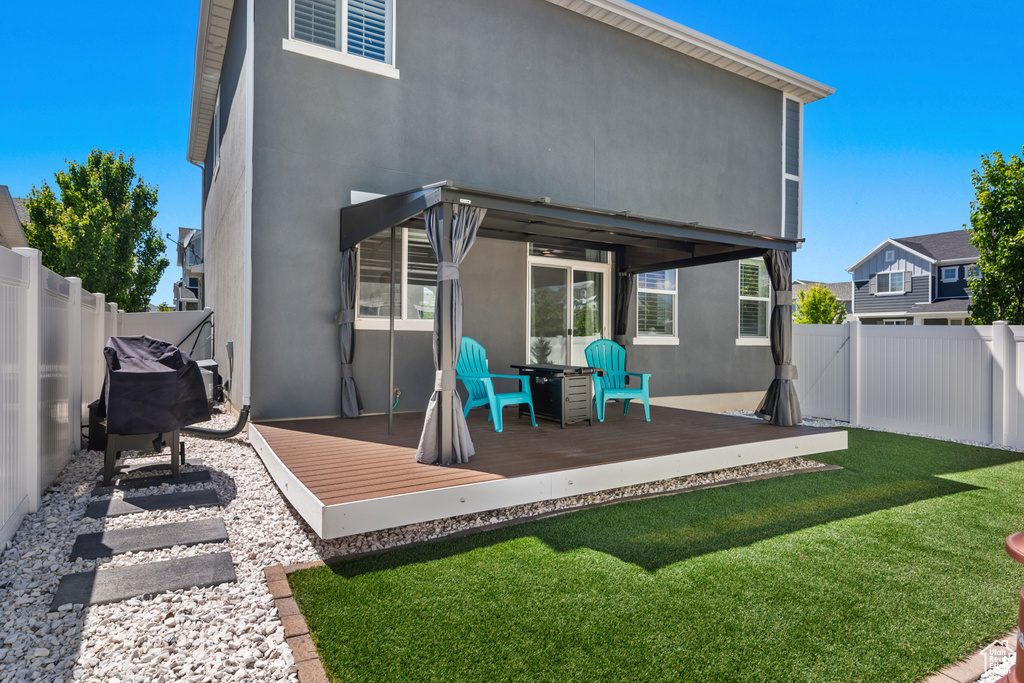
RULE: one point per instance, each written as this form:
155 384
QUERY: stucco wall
530 99
223 212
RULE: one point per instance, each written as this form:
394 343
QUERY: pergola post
443 306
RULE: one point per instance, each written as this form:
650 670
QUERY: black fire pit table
561 393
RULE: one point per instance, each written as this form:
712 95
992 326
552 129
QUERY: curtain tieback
446 270
345 317
444 380
346 370
785 372
784 297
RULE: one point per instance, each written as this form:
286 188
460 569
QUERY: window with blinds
357 27
755 292
414 275
656 304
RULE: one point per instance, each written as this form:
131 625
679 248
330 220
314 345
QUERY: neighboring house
919 280
613 148
842 291
188 291
12 215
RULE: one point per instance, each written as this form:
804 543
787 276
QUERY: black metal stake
391 336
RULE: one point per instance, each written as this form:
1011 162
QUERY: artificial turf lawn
885 570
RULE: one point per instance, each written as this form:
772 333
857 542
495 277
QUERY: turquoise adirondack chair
472 370
611 358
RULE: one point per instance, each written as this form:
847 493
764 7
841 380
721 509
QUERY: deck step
118 541
162 501
130 468
113 585
193 477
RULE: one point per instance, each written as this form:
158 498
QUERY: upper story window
950 274
656 307
891 283
415 280
363 28
755 294
890 255
972 271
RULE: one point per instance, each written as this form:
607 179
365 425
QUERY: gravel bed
227 632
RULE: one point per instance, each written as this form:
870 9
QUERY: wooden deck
349 476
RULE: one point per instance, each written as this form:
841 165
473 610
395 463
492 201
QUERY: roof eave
211 42
894 243
650 26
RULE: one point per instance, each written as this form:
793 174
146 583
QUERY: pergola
455 215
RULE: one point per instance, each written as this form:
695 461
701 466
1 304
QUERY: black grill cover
151 386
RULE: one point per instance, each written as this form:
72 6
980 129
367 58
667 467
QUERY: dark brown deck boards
342 461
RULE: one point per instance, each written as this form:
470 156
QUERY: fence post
74 341
853 331
30 446
120 324
1003 380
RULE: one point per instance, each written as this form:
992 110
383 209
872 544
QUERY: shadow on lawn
881 471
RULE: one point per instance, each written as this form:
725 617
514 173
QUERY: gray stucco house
304 107
922 280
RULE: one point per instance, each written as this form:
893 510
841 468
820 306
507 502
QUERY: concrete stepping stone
113 585
162 501
118 541
123 470
194 477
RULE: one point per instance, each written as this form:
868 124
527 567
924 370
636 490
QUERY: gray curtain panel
780 405
465 223
351 402
623 295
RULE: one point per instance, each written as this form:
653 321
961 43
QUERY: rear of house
305 107
922 280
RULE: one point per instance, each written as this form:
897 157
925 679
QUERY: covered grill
151 389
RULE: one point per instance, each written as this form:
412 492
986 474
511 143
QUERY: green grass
886 570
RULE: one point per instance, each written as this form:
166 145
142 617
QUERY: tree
819 306
997 230
100 229
164 307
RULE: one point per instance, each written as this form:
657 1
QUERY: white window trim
956 271
892 322
902 292
401 322
789 176
658 339
752 341
342 56
890 255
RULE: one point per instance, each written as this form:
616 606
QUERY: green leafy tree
997 230
164 307
819 306
100 229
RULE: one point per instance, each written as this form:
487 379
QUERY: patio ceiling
642 243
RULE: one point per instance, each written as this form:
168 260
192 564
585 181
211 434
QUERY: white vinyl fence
953 382
52 336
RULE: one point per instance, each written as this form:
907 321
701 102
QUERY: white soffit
211 41
640 22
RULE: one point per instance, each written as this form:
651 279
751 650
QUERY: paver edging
296 631
969 669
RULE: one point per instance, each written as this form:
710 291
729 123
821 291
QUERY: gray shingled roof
842 290
941 246
943 306
19 206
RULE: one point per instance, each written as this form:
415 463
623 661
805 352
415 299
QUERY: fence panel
181 328
14 499
935 381
821 354
92 352
54 374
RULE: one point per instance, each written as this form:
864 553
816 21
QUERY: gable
902 260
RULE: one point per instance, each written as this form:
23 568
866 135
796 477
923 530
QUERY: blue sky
923 90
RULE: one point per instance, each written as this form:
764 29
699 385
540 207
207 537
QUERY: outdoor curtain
351 402
780 405
466 221
623 295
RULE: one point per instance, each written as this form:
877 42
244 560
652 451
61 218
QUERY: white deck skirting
344 519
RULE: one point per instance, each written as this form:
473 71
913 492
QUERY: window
415 279
972 271
890 283
362 28
895 321
656 307
755 291
890 256
950 274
